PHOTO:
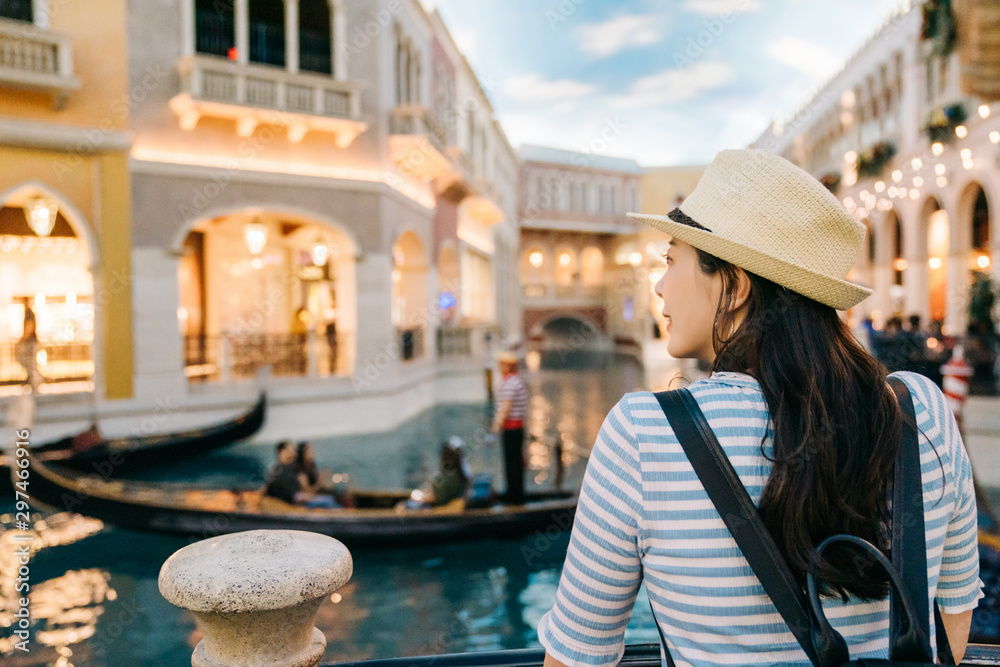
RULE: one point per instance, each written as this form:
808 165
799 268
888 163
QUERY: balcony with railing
255 94
418 144
35 59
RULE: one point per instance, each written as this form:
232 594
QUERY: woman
26 350
755 275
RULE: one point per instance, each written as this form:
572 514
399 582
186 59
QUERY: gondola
201 513
110 457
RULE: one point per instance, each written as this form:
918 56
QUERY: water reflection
64 609
96 600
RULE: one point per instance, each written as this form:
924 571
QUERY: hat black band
678 215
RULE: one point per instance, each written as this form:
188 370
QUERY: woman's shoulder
925 393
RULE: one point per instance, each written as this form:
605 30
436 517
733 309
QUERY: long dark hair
836 426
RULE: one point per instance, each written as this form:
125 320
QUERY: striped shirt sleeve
602 572
959 587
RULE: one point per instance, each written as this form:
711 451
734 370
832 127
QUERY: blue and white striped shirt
644 516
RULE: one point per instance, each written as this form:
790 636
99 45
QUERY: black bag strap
909 547
741 517
738 512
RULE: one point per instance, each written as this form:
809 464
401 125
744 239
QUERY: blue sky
677 80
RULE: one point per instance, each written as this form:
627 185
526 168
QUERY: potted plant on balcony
872 162
941 123
938 25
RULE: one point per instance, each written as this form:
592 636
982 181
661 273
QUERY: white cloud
813 59
721 6
614 35
677 85
533 88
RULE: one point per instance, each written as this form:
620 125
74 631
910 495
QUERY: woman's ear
742 288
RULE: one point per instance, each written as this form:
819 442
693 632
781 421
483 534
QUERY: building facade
579 252
320 202
914 158
65 252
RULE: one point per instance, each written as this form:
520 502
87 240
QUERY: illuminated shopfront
259 289
45 266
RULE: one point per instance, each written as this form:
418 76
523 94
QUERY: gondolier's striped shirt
514 390
644 516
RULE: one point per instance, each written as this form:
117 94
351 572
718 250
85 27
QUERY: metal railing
636 655
214 358
55 362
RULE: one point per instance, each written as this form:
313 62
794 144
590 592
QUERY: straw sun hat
762 213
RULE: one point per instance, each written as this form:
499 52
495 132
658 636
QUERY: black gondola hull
543 514
116 456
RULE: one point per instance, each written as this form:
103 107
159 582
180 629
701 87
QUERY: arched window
315 52
267 32
981 223
215 28
18 10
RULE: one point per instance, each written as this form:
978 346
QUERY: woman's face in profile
690 298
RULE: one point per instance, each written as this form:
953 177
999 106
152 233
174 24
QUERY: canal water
94 596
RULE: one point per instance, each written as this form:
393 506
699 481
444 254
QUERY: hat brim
834 292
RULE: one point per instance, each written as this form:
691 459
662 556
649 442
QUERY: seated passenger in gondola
312 480
448 485
284 482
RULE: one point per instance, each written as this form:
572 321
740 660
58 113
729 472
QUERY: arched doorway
46 260
266 289
410 308
935 222
974 212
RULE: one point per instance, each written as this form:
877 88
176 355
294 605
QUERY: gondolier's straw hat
507 358
765 215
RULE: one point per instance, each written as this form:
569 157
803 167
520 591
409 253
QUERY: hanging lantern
255 234
41 214
320 253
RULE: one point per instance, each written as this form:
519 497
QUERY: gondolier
512 409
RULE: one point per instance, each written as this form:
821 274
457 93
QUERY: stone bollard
255 595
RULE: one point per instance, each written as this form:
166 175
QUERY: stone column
292 36
338 39
187 28
242 10
255 595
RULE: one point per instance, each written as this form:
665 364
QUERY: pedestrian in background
512 410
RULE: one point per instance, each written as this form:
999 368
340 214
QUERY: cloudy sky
677 80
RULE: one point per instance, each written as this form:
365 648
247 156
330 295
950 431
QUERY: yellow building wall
96 29
96 184
661 186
